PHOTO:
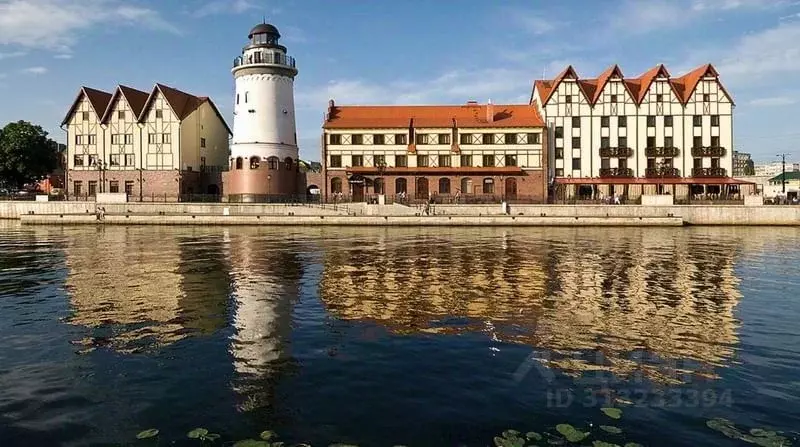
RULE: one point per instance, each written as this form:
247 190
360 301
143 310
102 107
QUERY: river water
384 336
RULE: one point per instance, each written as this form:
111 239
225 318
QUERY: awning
650 181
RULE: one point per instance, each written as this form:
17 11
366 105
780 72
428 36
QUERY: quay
362 214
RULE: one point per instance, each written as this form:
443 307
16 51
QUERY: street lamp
783 172
269 188
100 165
381 165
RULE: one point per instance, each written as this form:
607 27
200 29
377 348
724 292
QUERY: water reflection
645 301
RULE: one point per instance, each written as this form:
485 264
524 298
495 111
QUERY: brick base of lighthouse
260 184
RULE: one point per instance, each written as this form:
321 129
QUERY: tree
26 154
750 169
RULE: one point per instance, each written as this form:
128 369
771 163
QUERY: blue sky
404 52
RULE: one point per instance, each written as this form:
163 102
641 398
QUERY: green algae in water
571 433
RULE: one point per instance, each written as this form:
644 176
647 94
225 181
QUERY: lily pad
571 433
633 444
508 442
251 443
603 444
533 435
613 413
267 435
725 427
611 429
147 434
342 445
197 433
211 437
760 432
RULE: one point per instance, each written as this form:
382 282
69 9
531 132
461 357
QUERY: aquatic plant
202 434
147 434
613 413
757 436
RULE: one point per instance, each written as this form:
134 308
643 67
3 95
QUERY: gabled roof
135 99
611 72
438 116
790 175
646 80
691 79
98 99
181 103
568 73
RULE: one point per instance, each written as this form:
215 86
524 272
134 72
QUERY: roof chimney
490 112
472 102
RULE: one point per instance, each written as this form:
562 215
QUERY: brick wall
147 184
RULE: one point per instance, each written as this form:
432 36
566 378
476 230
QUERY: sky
402 52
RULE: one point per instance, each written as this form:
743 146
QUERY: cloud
773 51
34 70
57 24
216 7
535 23
63 56
12 54
773 101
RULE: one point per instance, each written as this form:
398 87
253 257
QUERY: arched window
254 162
336 185
400 186
511 188
377 185
466 185
272 163
488 185
289 163
422 187
239 163
444 185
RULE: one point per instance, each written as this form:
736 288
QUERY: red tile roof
439 116
683 86
135 98
98 99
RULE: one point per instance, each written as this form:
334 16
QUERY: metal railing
708 172
708 151
662 172
616 172
662 151
264 57
616 152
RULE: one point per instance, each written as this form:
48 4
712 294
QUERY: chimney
489 112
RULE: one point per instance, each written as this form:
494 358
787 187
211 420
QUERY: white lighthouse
264 154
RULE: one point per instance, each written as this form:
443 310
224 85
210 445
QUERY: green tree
750 169
26 154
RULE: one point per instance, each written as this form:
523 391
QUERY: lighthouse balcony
264 58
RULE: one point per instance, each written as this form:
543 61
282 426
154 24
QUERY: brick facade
144 185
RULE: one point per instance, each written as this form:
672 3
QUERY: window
422 161
651 163
113 186
668 121
576 142
576 164
605 163
114 161
421 138
335 138
129 160
92 187
289 163
401 161
78 160
336 185
605 142
85 116
92 139
697 121
465 138
152 138
400 138
651 121
202 142
444 186
129 187
444 138
159 114
272 163
246 97
357 160
559 132
239 163
651 142
488 186
622 163
668 142
93 160
697 142
604 121
120 115
622 141
488 161
511 138
706 97
116 138
77 186
613 99
237 98
697 163
559 153
715 141
488 138
576 122
378 160
166 138
444 161
400 185
336 161
532 138
255 162
559 172
378 138
511 160
659 98
568 99
358 139
466 160
622 121
714 120
715 162
128 138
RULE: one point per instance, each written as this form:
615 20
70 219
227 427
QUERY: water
423 337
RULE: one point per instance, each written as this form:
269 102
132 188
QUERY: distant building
742 164
787 184
774 168
464 152
163 143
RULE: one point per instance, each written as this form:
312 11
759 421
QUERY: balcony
709 172
264 58
708 151
662 172
662 151
616 172
616 152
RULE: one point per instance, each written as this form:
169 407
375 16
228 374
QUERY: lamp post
381 165
783 172
269 188
100 165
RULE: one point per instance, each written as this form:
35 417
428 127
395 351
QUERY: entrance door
358 192
422 188
511 188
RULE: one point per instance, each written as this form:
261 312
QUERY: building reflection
654 302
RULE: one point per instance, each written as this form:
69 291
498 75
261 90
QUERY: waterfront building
784 184
155 145
742 164
264 154
451 152
649 134
774 168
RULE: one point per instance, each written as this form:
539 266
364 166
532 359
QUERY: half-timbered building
155 145
650 134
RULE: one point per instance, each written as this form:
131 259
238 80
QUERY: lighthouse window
246 95
237 99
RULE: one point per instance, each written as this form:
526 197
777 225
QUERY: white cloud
770 52
773 101
12 54
34 70
63 56
57 24
224 7
536 23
